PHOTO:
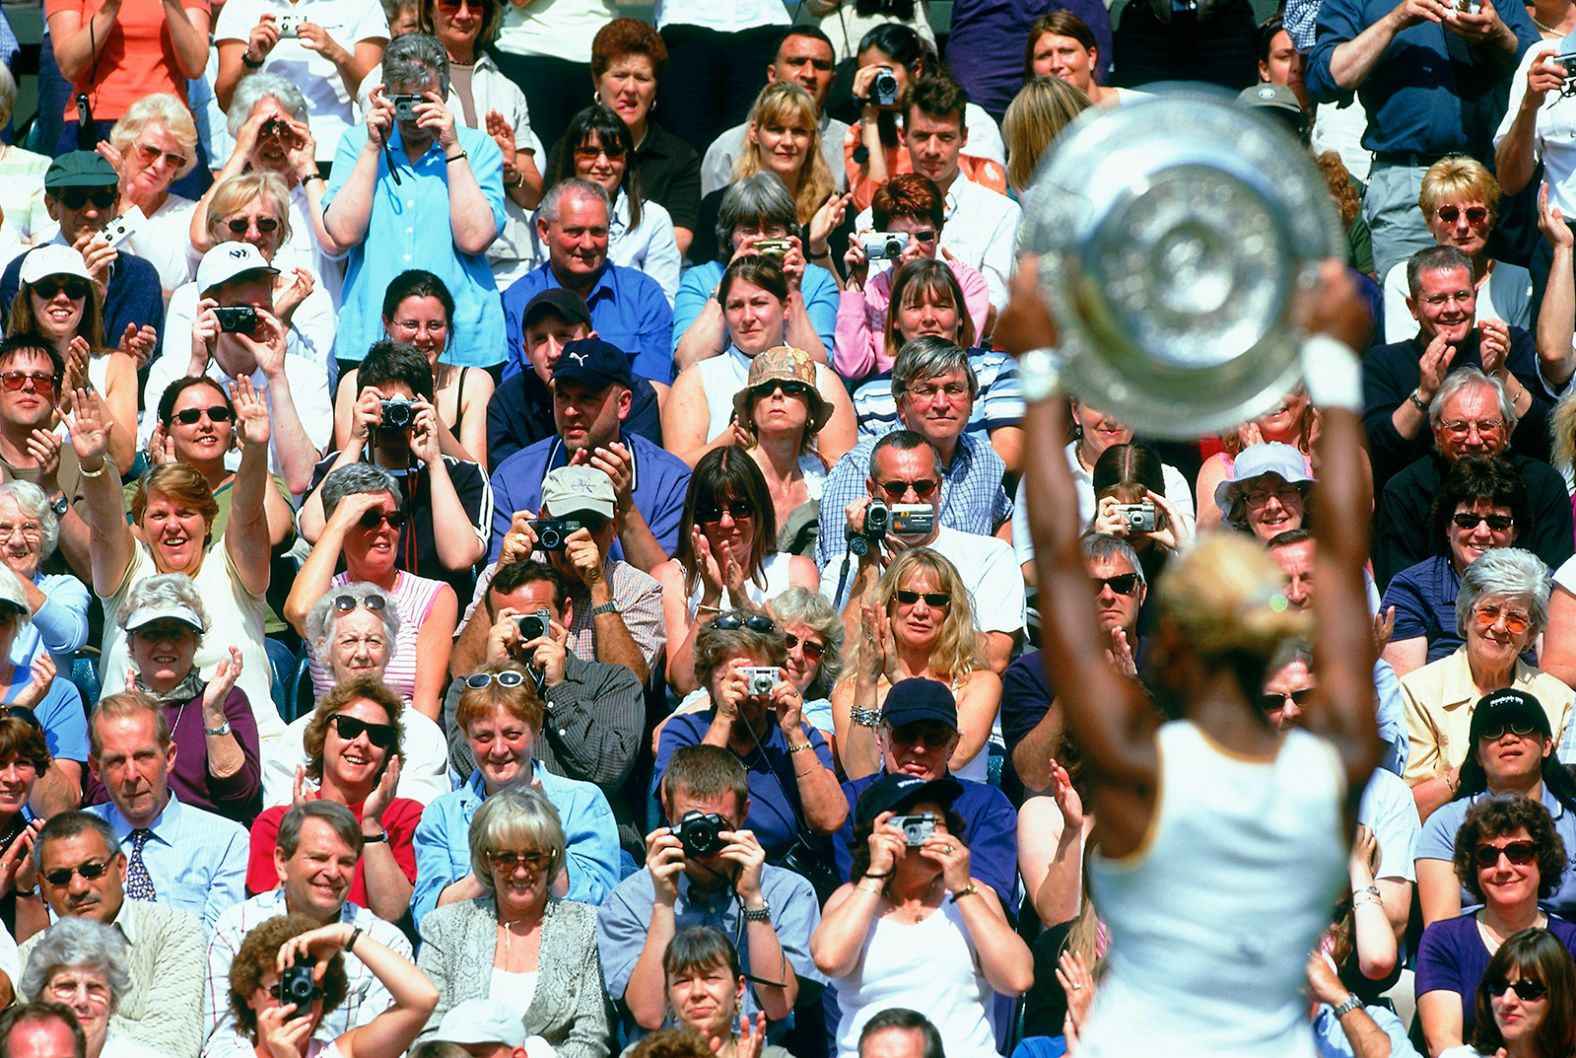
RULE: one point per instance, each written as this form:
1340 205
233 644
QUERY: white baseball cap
230 260
481 1021
53 259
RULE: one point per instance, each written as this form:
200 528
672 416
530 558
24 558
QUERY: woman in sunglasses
518 943
1501 607
920 626
727 556
1526 1003
354 745
1482 505
153 146
58 299
1508 857
779 414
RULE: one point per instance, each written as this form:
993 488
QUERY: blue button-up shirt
658 483
818 288
443 847
195 859
628 309
409 228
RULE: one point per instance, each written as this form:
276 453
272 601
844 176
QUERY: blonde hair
164 109
957 651
1226 595
1456 176
234 193
1562 430
785 101
1035 117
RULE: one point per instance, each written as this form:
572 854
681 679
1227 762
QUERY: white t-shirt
991 574
724 18
555 29
1553 132
349 22
164 240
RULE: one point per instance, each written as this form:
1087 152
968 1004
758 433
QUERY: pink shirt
859 346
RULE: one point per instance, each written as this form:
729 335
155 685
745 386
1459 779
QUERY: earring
596 97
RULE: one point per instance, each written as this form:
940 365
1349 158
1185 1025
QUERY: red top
135 59
399 819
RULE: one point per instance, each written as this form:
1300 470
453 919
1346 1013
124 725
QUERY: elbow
1021 979
1377 967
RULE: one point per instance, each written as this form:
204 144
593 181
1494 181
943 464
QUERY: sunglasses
791 387
509 862
191 416
936 600
374 518
898 489
12 381
1123 584
1516 622
1476 215
1270 702
587 153
151 155
89 871
508 678
77 197
346 603
739 509
239 225
46 288
736 619
351 728
924 235
812 650
1519 728
1526 991
1469 520
1520 853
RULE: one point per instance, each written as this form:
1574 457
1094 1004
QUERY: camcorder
878 521
883 87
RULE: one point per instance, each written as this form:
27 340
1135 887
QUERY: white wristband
1332 373
1039 375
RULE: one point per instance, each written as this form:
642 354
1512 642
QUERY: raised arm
112 543
318 569
414 996
246 536
346 219
1557 315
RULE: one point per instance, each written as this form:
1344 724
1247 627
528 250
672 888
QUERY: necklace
914 915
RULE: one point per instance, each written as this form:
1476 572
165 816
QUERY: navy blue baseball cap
916 699
895 791
593 363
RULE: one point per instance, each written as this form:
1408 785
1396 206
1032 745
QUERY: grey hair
1460 379
79 942
1103 547
73 942
1434 259
903 441
7 94
1510 572
259 86
35 505
70 824
321 620
510 818
355 479
411 59
928 357
803 606
552 202
759 197
166 589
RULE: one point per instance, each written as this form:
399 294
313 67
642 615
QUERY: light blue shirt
1329 1039
195 859
60 625
818 287
409 228
443 848
1392 718
60 713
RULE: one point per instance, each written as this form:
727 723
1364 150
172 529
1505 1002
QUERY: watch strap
222 729
607 607
764 914
1351 1003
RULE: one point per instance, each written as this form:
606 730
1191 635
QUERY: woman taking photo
58 601
1526 1004
911 896
515 943
81 963
921 626
781 414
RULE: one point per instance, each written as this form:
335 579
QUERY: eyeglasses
191 416
1460 427
733 620
507 678
90 870
451 6
812 650
346 603
1285 494
1476 215
95 991
46 288
1526 991
12 381
27 529
791 387
239 225
739 509
374 518
1519 728
1269 701
936 600
151 155
1520 853
1470 520
898 489
1516 621
1436 301
928 392
351 728
587 153
509 862
77 197
1122 584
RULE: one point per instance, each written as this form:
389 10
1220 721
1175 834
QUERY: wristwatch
763 915
222 729
1350 1004
60 505
607 607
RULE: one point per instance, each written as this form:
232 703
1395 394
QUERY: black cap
891 792
1503 708
917 699
593 363
565 303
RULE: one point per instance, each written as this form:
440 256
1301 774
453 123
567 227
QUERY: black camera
916 829
236 319
398 413
883 87
701 835
405 106
552 532
532 625
297 986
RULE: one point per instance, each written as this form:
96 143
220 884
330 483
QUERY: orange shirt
136 59
981 171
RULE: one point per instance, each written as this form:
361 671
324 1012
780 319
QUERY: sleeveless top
1213 918
413 597
774 571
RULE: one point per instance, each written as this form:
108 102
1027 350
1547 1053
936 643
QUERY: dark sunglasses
77 197
736 619
239 225
346 603
350 728
1518 852
936 600
13 381
812 650
1270 702
1470 519
22 713
791 387
373 518
89 871
898 489
739 509
1450 214
1520 728
508 678
46 288
508 862
585 151
1124 584
1526 991
190 416
925 235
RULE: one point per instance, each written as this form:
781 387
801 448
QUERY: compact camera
405 107
297 986
236 319
532 625
913 519
552 532
760 679
1138 517
771 247
289 25
885 245
883 87
398 413
1469 7
123 227
1567 60
915 828
701 835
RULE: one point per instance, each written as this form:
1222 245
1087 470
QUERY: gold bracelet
86 473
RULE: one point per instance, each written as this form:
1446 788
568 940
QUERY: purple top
985 48
1452 958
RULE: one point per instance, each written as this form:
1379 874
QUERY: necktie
139 885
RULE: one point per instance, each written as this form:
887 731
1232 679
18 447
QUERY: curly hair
623 37
672 1043
1339 180
804 606
713 645
256 959
1479 479
25 741
1497 816
358 689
